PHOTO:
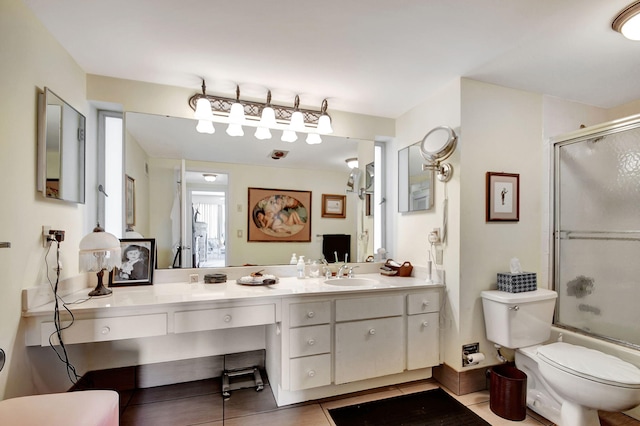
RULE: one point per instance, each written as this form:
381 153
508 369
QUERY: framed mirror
61 149
415 186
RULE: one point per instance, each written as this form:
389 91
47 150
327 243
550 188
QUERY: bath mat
429 408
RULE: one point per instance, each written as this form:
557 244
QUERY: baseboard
461 382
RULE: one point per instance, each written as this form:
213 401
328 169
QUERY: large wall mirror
61 149
191 191
415 186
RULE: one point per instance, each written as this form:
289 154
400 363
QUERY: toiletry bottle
293 260
314 269
300 267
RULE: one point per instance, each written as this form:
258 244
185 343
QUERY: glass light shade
210 177
289 136
263 133
205 126
297 122
313 138
99 250
235 130
352 163
236 115
203 110
631 28
324 125
268 117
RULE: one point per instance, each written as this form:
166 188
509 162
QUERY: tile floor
201 403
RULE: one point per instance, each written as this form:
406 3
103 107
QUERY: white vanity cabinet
369 337
309 345
423 336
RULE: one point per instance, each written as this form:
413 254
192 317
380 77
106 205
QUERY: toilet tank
518 320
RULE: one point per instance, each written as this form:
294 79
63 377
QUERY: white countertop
183 292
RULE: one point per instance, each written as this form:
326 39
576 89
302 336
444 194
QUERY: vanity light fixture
264 116
99 252
352 163
627 22
209 177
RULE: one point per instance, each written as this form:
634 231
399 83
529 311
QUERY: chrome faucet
342 268
350 273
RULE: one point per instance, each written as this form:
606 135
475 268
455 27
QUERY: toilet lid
590 364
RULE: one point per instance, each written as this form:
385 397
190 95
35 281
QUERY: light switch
239 233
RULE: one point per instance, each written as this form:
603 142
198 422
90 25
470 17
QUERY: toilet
566 383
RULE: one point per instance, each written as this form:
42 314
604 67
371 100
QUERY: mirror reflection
415 186
202 223
61 149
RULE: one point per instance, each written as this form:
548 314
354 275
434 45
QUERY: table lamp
99 252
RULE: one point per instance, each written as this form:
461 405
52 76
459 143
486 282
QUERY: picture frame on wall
503 197
279 215
334 206
130 200
138 260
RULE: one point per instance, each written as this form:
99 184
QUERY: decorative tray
258 280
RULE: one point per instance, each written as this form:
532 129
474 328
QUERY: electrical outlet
45 236
193 278
434 236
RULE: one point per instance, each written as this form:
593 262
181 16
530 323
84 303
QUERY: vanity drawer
105 329
309 313
217 318
422 303
369 307
312 340
310 372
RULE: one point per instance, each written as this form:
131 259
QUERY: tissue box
517 283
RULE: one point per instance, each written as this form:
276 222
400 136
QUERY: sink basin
351 282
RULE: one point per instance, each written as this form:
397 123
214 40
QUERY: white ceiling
378 57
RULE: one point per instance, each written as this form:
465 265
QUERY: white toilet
566 383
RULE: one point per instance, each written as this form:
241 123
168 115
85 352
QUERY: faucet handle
350 273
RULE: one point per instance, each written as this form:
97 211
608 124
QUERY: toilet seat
590 364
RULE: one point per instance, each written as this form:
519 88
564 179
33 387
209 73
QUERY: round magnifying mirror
438 144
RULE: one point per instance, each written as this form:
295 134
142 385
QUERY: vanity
322 337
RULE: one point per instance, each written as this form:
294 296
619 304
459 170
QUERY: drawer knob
372 331
311 314
425 303
311 373
105 330
311 342
227 318
425 323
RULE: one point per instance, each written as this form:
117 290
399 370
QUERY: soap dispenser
300 267
293 260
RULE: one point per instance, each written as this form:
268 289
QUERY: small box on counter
517 283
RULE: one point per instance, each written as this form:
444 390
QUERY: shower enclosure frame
593 133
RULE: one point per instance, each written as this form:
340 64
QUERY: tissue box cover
517 283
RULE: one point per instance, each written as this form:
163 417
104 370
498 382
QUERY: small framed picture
138 260
334 206
503 197
130 200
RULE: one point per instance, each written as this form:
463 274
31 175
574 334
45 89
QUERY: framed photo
334 206
138 260
503 197
130 200
279 215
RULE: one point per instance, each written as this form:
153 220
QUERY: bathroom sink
351 282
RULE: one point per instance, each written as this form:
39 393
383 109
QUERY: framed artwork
130 200
334 206
138 260
503 197
279 215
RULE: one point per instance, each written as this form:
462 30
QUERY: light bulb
203 110
324 125
289 136
297 122
268 118
263 133
313 138
631 28
235 130
205 126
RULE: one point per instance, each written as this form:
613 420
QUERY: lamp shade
297 121
236 114
235 130
99 250
205 126
289 136
324 125
313 138
263 133
203 110
268 117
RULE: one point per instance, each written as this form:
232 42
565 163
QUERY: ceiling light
210 177
352 163
313 138
628 21
324 122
